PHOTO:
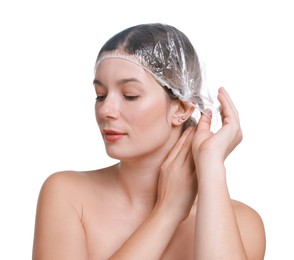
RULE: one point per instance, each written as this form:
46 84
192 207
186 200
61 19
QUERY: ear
181 112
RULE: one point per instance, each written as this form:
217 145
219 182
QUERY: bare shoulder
251 228
61 211
76 180
72 188
245 212
64 179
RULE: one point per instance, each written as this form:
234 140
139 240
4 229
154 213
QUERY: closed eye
100 98
131 98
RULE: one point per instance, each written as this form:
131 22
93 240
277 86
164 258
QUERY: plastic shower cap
167 54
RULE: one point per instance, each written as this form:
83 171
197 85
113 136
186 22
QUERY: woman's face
132 110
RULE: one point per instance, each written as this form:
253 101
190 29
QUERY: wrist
165 211
210 170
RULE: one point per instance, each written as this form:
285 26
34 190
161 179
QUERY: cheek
98 119
151 115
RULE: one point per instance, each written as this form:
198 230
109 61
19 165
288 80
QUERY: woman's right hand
177 187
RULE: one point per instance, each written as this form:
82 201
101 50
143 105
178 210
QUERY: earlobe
181 119
182 113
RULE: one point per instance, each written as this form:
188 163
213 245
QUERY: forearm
150 240
217 234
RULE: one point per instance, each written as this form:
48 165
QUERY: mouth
112 135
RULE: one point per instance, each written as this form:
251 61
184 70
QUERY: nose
108 108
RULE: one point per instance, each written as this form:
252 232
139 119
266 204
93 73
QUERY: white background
47 55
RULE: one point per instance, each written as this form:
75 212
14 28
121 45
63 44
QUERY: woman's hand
208 146
177 187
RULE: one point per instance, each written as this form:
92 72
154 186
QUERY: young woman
167 198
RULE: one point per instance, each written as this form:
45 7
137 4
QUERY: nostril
107 110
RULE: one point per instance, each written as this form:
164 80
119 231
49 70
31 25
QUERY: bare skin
166 199
97 228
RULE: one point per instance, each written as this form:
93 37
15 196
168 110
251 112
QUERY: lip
112 135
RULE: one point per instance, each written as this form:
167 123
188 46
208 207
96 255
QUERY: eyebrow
119 82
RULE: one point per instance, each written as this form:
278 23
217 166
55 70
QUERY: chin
119 154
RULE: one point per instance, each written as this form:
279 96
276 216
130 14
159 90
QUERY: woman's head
132 111
166 53
163 61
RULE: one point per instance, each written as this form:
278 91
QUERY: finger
186 151
204 122
229 113
227 98
190 161
183 141
228 107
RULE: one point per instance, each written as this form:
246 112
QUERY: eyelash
129 98
100 98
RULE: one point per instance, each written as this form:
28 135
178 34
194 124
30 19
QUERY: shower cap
167 54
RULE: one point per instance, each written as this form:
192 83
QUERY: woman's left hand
209 146
177 185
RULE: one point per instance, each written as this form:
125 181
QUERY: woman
167 197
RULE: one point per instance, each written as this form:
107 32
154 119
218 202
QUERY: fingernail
208 112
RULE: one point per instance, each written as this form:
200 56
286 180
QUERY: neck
138 178
139 183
